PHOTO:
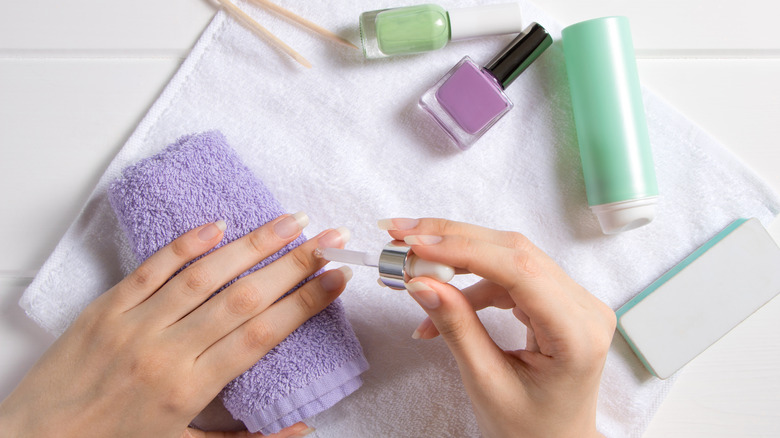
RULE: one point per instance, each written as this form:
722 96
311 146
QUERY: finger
399 228
192 286
250 295
256 337
517 271
457 321
296 430
160 266
197 433
482 294
531 344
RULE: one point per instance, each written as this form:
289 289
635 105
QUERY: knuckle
257 242
260 337
243 299
148 367
526 265
180 249
446 227
517 240
196 278
307 300
300 261
142 276
454 330
175 401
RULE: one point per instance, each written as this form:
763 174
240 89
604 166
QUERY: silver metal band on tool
391 264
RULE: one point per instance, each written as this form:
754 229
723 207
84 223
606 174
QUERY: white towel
346 142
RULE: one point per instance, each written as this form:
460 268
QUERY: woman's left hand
148 355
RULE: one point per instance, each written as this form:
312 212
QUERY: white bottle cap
485 20
424 268
617 217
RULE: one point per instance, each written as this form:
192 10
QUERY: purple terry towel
200 179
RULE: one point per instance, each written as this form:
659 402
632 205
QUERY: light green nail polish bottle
422 28
611 127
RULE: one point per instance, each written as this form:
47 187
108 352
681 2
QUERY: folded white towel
346 143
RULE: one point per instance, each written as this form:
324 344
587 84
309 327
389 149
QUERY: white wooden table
76 76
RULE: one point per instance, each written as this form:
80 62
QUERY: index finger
526 280
400 228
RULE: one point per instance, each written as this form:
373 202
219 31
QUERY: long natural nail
211 231
422 240
332 282
423 294
397 224
334 238
291 225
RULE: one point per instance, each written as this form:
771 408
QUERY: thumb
457 322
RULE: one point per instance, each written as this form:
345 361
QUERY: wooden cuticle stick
262 31
304 22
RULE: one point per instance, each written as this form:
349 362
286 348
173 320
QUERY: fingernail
422 240
291 225
332 282
397 224
334 238
423 294
422 328
302 433
211 231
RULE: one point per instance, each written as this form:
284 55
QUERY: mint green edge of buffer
666 277
608 111
414 29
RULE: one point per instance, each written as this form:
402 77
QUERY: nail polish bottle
470 99
414 29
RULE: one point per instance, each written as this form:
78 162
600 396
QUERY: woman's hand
548 389
146 356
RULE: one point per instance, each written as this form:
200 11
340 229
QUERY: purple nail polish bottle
470 99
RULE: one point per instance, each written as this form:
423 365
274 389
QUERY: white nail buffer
703 297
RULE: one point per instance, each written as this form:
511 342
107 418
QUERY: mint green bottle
415 29
611 127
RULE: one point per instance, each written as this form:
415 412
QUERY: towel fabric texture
346 143
197 180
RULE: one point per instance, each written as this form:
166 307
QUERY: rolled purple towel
200 179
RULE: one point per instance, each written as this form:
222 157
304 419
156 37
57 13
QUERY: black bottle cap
519 54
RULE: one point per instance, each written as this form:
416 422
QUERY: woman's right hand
548 389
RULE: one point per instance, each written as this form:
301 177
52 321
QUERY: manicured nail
423 294
422 328
422 240
302 433
211 231
332 282
291 225
334 238
397 224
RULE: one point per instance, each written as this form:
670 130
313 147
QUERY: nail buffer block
702 298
